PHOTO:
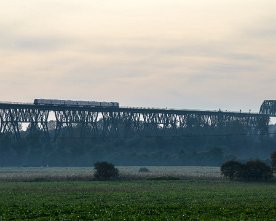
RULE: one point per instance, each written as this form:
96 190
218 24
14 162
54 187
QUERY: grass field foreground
138 200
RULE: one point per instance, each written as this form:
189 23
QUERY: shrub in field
231 169
253 170
273 160
256 170
105 170
144 170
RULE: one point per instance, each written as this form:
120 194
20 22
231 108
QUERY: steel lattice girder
123 121
268 107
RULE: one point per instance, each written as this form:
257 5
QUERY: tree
257 170
253 170
105 170
231 168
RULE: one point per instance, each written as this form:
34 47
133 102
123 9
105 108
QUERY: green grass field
138 200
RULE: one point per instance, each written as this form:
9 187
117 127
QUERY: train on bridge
71 103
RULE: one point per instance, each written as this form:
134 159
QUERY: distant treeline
195 146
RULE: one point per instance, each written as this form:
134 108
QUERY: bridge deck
123 109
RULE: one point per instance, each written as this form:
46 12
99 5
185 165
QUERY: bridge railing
195 110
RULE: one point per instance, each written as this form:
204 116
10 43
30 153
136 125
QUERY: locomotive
71 103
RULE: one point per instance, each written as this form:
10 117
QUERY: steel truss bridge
269 107
124 122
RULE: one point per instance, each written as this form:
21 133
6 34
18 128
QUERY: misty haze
137 110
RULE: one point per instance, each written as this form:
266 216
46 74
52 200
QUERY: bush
231 168
257 170
105 170
252 170
144 170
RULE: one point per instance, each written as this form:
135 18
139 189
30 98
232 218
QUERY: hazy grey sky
202 54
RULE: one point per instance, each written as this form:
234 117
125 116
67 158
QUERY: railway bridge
123 121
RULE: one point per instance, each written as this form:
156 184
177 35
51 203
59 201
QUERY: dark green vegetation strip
138 200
